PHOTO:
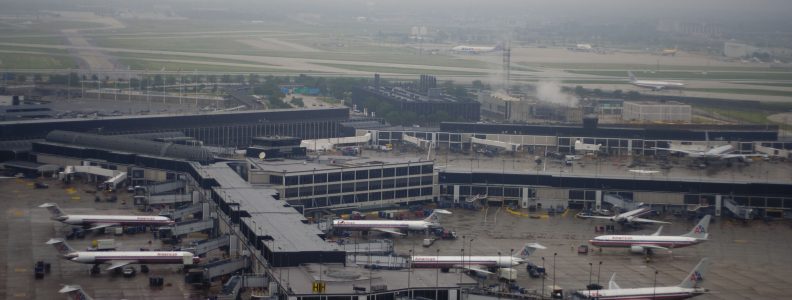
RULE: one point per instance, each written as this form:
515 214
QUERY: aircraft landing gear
95 270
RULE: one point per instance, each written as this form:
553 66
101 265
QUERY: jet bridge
205 246
497 144
181 213
184 228
168 199
420 143
235 284
204 274
164 187
375 247
329 144
739 212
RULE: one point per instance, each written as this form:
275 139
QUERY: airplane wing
115 264
594 217
642 220
676 150
477 269
612 283
743 156
102 225
385 230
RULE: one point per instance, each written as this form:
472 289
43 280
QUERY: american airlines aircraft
118 259
75 292
654 84
479 264
628 217
102 221
391 226
475 49
719 152
646 243
687 289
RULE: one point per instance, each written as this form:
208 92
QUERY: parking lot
749 261
26 228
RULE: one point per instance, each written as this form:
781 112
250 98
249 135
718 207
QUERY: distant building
657 112
503 107
737 50
425 99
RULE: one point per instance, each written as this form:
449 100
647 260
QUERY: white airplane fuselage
504 261
364 225
668 292
87 220
627 241
140 257
473 49
657 85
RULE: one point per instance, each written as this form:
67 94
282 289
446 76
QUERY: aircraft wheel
95 270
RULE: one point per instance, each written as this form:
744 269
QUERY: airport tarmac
749 261
26 228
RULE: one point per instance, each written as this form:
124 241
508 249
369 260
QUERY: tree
74 79
240 78
94 77
580 91
618 93
225 78
297 102
633 95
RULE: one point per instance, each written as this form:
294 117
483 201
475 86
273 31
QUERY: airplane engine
637 249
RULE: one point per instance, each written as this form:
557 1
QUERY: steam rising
550 91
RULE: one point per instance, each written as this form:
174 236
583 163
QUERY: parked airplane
654 84
118 259
475 49
646 243
628 217
479 264
102 221
391 226
719 152
75 292
687 289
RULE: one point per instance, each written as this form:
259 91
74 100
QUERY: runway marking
20 270
20 295
18 213
75 198
740 241
71 190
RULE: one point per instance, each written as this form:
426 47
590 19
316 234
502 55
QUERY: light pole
591 269
543 276
437 276
654 286
599 268
463 265
409 272
554 264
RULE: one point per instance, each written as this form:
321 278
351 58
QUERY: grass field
376 69
138 64
145 56
742 91
777 84
693 75
644 67
755 114
44 40
35 61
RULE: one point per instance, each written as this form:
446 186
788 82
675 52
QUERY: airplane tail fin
434 218
630 74
75 292
528 249
659 231
700 231
61 245
697 275
53 208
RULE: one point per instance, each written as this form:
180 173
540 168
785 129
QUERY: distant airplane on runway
476 49
653 84
687 289
628 217
646 243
